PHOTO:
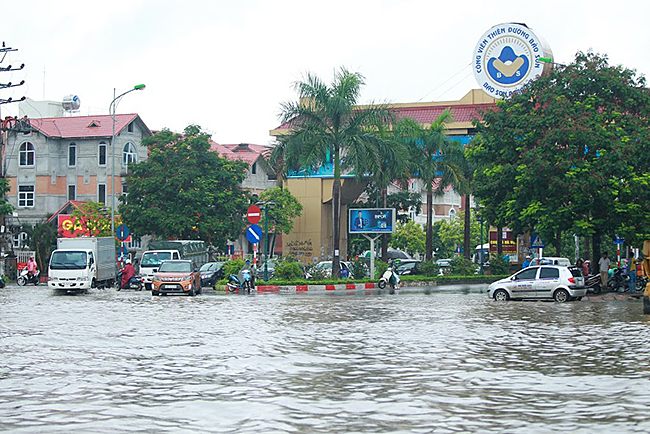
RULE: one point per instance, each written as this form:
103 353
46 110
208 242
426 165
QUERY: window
135 243
20 240
129 154
72 192
549 273
72 155
129 128
26 196
254 168
527 274
26 154
101 154
125 188
101 193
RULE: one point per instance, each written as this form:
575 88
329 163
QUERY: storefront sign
506 58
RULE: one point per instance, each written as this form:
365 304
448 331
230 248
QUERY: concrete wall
51 173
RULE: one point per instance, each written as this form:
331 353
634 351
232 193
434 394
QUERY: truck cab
150 262
72 270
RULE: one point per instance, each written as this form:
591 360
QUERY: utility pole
8 125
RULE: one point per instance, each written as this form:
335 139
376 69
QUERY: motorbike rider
128 273
31 267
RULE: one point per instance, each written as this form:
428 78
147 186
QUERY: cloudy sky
227 65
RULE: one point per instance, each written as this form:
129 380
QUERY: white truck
81 263
163 250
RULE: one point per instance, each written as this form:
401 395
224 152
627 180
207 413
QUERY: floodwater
449 360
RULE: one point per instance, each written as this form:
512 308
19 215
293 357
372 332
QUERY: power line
445 82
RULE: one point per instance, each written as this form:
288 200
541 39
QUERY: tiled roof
247 152
72 203
427 114
78 127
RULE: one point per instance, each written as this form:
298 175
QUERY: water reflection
448 360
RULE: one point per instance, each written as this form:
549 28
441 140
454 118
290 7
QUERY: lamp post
266 206
111 109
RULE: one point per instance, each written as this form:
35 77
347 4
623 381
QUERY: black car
211 273
408 267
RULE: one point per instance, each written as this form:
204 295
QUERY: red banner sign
508 242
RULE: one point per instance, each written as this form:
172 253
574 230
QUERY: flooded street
446 361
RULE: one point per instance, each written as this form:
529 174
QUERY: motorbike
592 282
244 282
618 281
24 278
390 277
135 283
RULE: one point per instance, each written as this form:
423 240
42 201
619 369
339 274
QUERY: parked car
326 267
554 282
211 273
408 267
271 268
176 277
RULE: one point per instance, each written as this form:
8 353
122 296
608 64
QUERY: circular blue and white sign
507 57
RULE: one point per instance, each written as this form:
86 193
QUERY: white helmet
128 261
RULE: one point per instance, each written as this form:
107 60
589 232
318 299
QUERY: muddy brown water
446 360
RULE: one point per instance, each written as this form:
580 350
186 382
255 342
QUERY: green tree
92 219
286 208
283 213
569 153
452 232
328 126
435 158
409 237
389 162
185 191
5 206
41 239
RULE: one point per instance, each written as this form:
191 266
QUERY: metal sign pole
372 254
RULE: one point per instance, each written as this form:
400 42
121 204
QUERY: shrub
499 264
462 267
380 268
359 269
232 267
288 270
315 273
430 268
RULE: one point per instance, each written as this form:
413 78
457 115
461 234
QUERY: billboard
507 57
371 220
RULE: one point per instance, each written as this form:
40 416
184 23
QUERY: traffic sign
619 241
254 234
122 232
536 242
254 214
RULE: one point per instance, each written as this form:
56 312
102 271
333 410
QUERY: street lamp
266 206
111 109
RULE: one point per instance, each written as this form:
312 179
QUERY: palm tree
435 157
326 122
389 162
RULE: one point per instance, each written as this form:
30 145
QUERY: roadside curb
354 287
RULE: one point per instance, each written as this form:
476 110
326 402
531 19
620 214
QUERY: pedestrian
526 263
603 266
631 272
582 266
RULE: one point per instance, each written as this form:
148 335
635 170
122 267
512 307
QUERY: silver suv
541 282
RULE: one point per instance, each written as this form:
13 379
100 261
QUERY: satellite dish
71 103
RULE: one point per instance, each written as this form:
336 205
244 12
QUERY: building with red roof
65 159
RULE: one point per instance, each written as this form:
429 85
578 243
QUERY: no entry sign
254 214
